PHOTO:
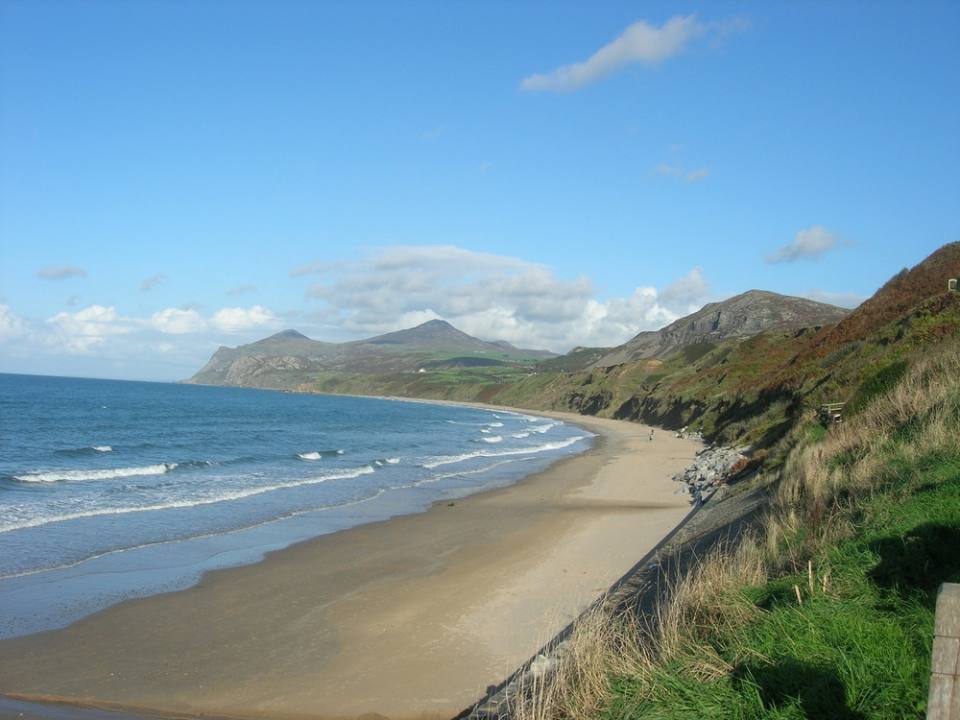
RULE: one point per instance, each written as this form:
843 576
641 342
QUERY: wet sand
408 618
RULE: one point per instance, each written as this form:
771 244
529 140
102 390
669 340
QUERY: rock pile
711 468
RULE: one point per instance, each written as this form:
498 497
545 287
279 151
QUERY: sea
112 490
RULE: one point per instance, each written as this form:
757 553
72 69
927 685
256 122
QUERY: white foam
231 531
458 473
450 459
543 428
520 435
393 461
76 475
496 424
309 456
494 439
175 504
485 430
103 448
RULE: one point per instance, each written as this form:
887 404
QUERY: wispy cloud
677 171
641 43
313 268
242 290
841 299
152 281
807 244
433 133
60 272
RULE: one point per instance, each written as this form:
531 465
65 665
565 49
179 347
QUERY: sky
176 176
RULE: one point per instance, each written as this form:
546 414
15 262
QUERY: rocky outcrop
713 467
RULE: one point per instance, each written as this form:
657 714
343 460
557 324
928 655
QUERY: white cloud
242 290
810 244
238 319
641 42
152 281
688 294
82 331
60 272
490 296
680 173
174 321
11 324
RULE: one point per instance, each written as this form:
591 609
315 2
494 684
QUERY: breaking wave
450 459
194 502
77 475
317 454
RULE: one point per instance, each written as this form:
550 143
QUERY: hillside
289 359
744 315
750 390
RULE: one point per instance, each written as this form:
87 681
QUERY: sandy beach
408 618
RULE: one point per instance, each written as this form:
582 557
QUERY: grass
828 611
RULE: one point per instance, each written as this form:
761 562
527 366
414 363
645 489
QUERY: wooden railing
832 412
943 702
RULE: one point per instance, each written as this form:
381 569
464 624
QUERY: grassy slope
857 647
828 613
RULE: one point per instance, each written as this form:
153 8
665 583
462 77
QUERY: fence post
943 702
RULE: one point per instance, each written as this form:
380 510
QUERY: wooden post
943 702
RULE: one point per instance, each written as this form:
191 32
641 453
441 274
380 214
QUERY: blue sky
180 175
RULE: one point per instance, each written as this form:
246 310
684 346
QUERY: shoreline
432 608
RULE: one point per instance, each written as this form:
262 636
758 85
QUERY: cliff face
742 316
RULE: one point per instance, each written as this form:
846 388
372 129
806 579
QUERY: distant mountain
290 359
738 317
434 334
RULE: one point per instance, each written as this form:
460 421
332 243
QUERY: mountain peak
289 334
436 323
433 333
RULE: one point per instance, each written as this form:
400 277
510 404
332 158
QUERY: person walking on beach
651 434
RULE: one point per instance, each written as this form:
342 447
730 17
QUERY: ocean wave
317 454
77 475
229 531
180 504
495 424
450 459
90 450
520 435
493 439
459 473
543 428
380 462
